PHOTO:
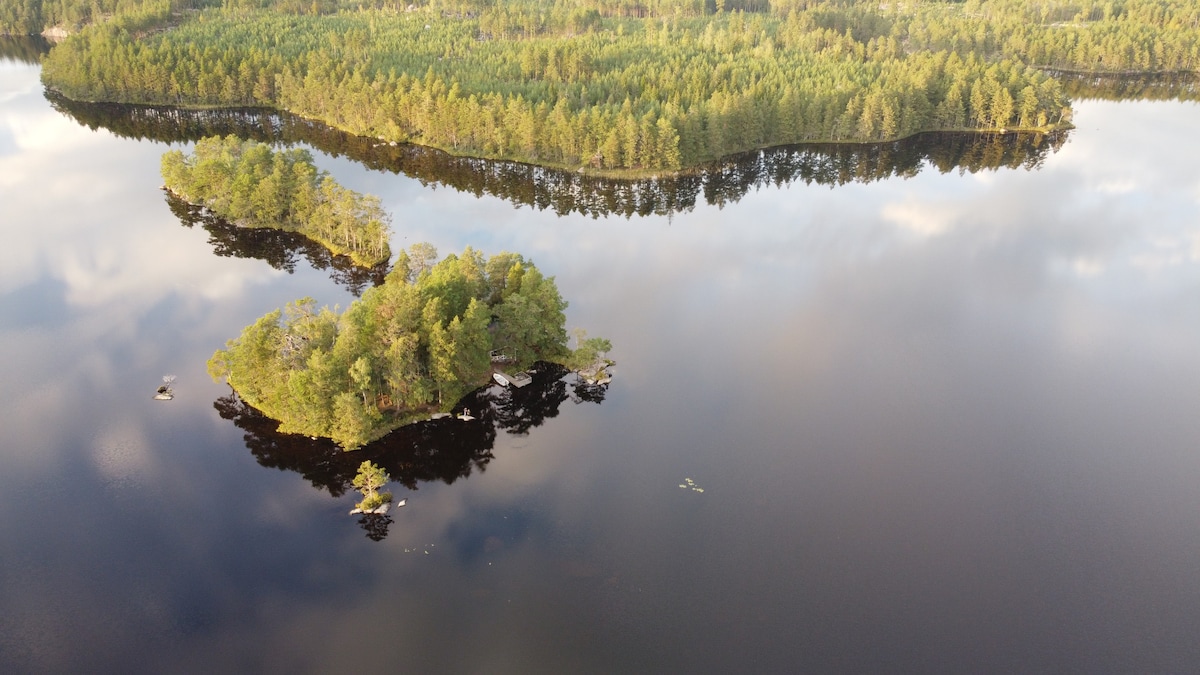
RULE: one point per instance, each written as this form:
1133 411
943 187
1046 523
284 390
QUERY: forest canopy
251 185
414 345
627 85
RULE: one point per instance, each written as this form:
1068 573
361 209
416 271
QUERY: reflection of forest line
564 192
25 49
1183 86
278 248
444 450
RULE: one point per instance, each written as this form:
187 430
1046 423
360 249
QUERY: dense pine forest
416 343
615 85
251 185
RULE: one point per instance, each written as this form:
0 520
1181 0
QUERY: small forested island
409 347
369 479
612 86
250 185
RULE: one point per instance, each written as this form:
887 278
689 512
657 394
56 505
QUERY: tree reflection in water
443 450
1182 86
566 192
376 525
278 248
24 49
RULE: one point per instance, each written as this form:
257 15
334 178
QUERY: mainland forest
411 346
613 86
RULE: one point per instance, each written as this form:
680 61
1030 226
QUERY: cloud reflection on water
925 387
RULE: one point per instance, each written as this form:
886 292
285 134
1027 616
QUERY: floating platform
515 380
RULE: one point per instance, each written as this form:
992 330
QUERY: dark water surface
944 421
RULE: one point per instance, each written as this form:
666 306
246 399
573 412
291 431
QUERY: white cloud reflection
121 453
843 294
63 190
91 251
923 219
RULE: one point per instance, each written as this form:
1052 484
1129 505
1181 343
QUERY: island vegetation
409 347
368 480
251 185
624 85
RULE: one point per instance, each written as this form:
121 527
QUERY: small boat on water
515 380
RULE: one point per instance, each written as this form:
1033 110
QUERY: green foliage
1116 36
374 501
588 351
248 183
652 85
30 17
531 320
406 348
368 480
647 86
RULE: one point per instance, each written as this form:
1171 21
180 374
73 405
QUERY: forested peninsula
250 185
641 86
616 87
411 346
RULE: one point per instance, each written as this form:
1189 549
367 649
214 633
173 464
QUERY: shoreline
583 170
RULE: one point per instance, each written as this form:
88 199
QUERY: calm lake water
944 421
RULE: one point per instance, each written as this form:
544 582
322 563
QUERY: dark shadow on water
590 393
445 450
278 248
376 525
566 192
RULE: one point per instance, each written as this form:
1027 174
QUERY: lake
940 399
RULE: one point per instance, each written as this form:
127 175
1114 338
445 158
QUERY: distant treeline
417 343
33 17
644 86
251 185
